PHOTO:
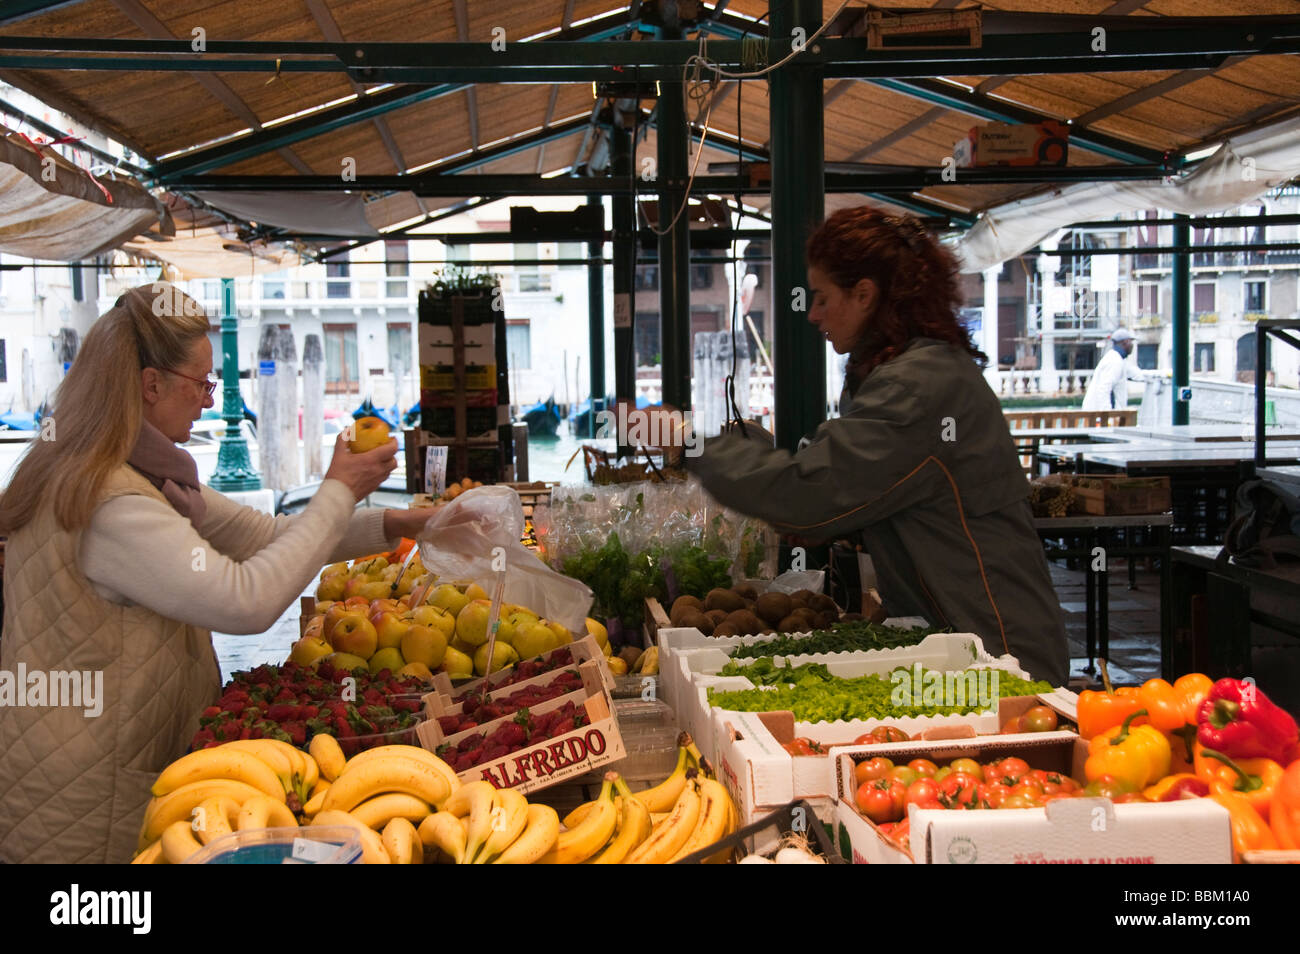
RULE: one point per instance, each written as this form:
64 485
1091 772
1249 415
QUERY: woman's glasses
208 384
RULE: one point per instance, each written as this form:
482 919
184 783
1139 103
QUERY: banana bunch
481 824
687 811
255 783
648 662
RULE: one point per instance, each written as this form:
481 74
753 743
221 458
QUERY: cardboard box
1044 143
437 345
582 650
1120 495
554 760
442 377
1066 831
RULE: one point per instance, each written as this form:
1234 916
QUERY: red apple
356 635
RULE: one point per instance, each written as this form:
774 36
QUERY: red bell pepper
1238 720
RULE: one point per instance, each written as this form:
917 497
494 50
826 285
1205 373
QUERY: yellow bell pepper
1139 755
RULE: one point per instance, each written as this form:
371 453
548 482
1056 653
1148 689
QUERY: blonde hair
98 408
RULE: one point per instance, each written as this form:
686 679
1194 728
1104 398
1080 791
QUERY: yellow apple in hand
449 598
424 644
471 623
389 628
355 635
435 617
368 433
309 650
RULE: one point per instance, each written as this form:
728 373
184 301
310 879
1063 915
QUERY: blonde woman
119 563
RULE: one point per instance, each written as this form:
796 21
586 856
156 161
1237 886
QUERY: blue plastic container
318 844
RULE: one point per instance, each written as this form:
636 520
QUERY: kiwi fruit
804 595
727 629
826 620
807 617
696 619
798 602
716 616
745 591
823 604
745 621
681 605
791 624
723 600
773 607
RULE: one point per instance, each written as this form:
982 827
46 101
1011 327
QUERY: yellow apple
561 634
389 659
424 644
356 635
375 589
461 646
345 661
332 588
597 629
309 650
322 606
457 664
418 670
449 598
617 666
475 592
389 628
315 627
503 655
533 639
334 569
519 616
336 613
437 617
368 433
471 622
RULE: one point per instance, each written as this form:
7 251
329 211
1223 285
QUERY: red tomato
872 769
900 834
1029 788
923 793
876 800
1018 801
887 733
804 746
1130 797
958 790
969 766
1012 726
1039 719
992 773
1013 768
923 767
991 795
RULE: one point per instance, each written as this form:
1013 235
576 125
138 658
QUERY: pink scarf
171 470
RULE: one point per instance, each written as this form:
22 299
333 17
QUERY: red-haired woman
920 462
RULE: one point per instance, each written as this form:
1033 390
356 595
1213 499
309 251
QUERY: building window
1204 358
647 338
519 345
459 254
534 282
397 267
1148 299
342 370
1148 357
272 289
399 348
572 250
1247 356
1203 298
211 290
701 276
530 279
1256 297
338 285
647 278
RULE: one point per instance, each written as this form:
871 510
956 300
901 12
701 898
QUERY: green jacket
922 465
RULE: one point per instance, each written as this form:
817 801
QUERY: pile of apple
362 621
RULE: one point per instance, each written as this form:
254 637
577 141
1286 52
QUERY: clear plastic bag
460 541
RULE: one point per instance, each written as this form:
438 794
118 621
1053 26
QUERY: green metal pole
234 469
797 207
1182 300
596 319
625 251
675 246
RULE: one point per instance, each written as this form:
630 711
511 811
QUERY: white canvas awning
51 209
210 253
1242 169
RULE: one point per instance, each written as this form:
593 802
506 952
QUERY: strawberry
297 732
210 711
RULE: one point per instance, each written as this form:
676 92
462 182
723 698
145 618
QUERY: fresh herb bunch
813 698
853 636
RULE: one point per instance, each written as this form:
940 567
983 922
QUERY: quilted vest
73 786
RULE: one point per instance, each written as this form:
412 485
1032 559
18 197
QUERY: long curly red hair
917 277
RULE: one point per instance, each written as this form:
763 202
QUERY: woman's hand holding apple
362 473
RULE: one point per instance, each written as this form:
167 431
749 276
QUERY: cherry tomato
958 790
887 733
903 774
969 766
1039 719
1013 768
923 767
871 769
923 793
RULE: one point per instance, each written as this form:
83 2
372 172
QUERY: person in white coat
1108 389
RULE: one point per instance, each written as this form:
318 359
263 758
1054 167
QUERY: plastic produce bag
458 542
791 581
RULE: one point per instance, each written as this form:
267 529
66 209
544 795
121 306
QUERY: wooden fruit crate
1120 496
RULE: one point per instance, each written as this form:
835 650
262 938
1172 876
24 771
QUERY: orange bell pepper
1137 754
1249 831
1099 711
1163 704
1177 786
1255 780
1284 818
1188 692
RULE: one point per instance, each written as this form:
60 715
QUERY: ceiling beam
471 93
902 132
15 11
550 114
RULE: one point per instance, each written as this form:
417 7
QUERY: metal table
1085 535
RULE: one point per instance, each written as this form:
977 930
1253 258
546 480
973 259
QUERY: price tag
435 470
312 852
623 310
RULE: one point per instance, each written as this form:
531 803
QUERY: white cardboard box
1066 831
